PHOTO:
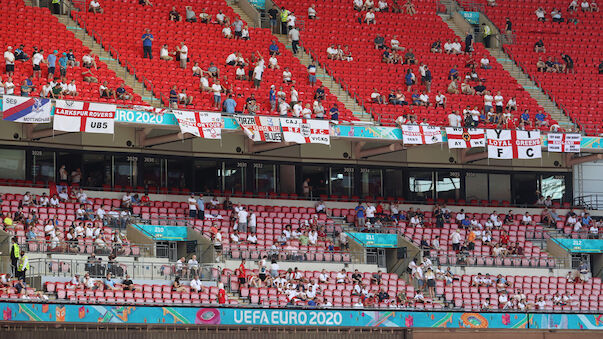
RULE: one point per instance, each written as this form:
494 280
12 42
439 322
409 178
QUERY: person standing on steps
273 13
284 20
294 38
487 32
56 6
147 44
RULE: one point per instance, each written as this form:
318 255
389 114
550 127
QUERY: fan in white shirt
454 119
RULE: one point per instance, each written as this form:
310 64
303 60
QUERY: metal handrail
293 255
75 247
136 269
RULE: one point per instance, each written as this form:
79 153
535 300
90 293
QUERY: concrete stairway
235 7
104 56
335 89
321 74
536 92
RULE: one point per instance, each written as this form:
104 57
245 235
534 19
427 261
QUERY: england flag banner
26 109
465 137
261 128
512 144
421 135
304 131
566 143
77 116
201 124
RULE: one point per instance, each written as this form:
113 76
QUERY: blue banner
471 17
581 245
73 313
382 240
169 233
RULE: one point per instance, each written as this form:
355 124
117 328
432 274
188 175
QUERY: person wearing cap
51 60
63 64
9 61
20 53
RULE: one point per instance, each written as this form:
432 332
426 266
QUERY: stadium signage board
167 233
129 314
382 240
581 245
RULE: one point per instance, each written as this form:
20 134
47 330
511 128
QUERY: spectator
182 54
184 98
9 61
217 90
190 14
369 17
539 46
164 53
192 206
312 12
569 63
121 92
36 60
147 43
294 39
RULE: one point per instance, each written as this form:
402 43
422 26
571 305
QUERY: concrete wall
136 236
588 179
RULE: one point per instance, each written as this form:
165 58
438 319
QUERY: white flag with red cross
465 137
512 144
565 143
260 128
305 131
78 116
205 125
421 135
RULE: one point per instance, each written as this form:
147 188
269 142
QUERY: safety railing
591 201
294 255
82 247
135 269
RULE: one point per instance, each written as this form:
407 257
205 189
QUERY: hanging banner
201 124
512 144
26 109
77 116
421 135
465 137
304 131
260 128
565 143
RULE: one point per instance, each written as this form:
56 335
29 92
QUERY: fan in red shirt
221 294
242 273
240 108
145 200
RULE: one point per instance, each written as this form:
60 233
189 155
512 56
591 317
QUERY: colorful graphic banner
26 109
171 233
569 143
382 240
201 124
471 17
145 117
78 116
73 313
305 131
512 144
581 245
465 137
421 135
261 128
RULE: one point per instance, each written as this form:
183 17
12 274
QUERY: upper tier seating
205 43
579 93
24 25
337 24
